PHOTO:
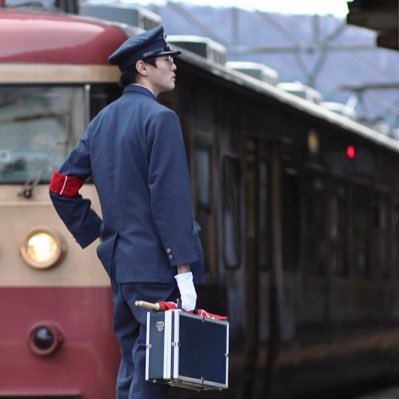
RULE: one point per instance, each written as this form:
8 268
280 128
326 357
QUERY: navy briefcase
187 350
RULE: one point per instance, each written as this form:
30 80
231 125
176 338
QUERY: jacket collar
139 89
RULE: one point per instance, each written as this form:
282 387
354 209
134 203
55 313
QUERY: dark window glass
314 230
338 231
101 95
231 212
291 219
263 203
379 235
360 209
251 203
203 175
202 158
396 241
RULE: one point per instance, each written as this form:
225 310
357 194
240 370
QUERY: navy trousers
130 330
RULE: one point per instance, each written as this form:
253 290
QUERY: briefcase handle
163 306
148 305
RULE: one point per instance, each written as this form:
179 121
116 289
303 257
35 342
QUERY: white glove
186 287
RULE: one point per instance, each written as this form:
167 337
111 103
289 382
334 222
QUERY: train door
272 258
337 218
231 252
315 303
258 261
290 246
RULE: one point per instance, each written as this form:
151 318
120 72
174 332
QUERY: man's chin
168 88
171 87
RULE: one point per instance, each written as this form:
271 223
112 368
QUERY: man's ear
141 68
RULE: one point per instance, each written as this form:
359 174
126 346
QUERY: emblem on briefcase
160 325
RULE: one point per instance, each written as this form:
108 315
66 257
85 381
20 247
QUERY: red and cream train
56 335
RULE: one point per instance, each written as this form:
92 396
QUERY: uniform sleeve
74 210
169 186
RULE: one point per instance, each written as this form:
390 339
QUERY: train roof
289 100
50 38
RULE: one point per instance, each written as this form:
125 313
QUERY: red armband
67 186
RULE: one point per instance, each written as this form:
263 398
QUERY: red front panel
87 360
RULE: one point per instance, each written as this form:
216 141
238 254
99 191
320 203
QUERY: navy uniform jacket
134 152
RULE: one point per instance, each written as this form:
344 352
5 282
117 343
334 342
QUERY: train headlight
42 248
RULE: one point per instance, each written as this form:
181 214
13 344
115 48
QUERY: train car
299 209
56 337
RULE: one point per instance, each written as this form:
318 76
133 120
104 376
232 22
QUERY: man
134 152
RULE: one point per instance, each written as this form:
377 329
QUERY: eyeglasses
169 59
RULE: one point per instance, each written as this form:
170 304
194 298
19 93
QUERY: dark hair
129 75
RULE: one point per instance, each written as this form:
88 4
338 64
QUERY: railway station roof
380 16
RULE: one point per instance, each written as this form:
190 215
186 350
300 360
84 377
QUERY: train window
263 200
232 212
203 178
256 206
102 95
314 231
203 175
360 209
379 235
396 241
38 125
338 230
291 219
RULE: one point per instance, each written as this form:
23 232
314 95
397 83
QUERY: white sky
335 7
